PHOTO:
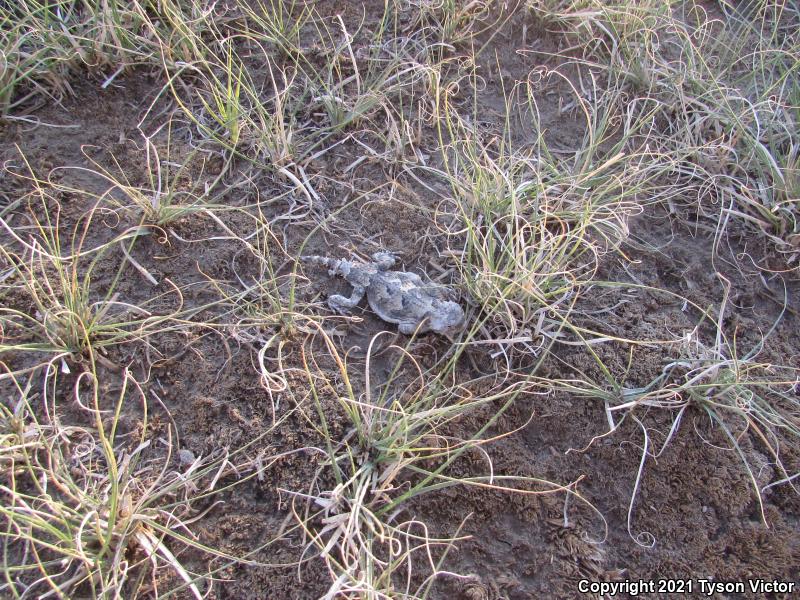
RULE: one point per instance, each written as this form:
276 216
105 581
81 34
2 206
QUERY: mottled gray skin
395 296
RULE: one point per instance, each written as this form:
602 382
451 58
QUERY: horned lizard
395 296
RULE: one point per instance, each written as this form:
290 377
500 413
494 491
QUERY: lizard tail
334 266
322 261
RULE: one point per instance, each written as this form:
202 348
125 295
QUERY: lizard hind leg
342 304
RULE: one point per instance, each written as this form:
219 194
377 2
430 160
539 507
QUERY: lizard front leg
341 304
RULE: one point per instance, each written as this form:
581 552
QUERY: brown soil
695 514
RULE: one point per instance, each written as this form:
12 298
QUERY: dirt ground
695 513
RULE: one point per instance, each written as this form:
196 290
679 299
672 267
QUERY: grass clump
529 224
726 92
84 510
44 42
397 448
66 315
750 402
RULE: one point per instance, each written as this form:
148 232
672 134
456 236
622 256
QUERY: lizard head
448 319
